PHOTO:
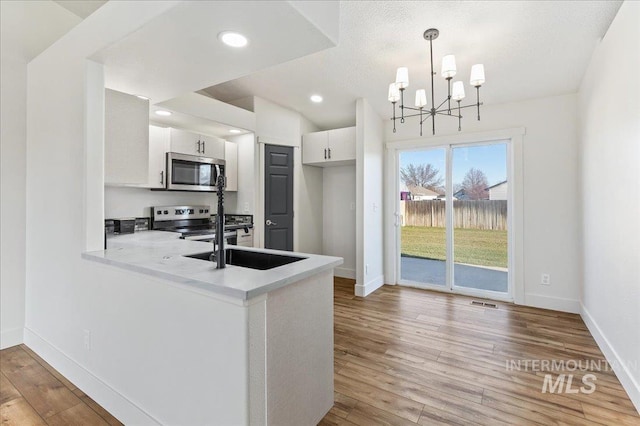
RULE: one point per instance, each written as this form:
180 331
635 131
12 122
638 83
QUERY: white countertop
161 254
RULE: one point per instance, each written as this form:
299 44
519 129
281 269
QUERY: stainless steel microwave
192 172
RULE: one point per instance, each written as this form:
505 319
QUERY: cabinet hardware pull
198 147
204 146
161 177
325 153
329 153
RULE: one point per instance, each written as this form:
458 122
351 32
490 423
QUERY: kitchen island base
187 343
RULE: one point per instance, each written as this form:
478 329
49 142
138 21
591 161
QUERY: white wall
245 197
551 234
310 200
122 202
609 105
339 217
281 126
27 28
369 199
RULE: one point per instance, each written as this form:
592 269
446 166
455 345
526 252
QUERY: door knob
270 223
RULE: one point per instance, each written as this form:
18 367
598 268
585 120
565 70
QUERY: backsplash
121 202
142 224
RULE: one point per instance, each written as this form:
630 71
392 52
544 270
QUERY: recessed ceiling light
142 97
233 39
235 131
316 98
163 113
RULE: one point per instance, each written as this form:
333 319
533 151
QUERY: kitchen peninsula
259 333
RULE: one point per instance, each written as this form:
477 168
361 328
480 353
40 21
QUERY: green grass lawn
473 246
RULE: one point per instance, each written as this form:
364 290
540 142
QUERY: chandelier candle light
455 92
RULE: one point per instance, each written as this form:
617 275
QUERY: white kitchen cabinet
342 144
231 165
158 147
213 147
189 143
314 147
126 139
329 148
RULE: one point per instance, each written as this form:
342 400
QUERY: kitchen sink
250 259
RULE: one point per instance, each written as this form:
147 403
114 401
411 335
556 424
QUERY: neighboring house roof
443 197
420 190
462 195
497 184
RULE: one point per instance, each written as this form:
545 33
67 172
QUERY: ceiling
530 49
179 52
81 8
195 124
32 26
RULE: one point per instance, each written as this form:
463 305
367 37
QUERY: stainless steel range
243 225
198 223
192 222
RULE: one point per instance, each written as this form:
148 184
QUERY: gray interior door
278 197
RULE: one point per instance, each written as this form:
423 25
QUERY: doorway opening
454 208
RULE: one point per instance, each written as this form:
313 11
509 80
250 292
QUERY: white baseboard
11 337
370 287
345 273
553 303
621 369
110 399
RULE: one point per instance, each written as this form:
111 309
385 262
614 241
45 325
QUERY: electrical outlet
375 207
545 279
246 207
366 269
87 339
353 206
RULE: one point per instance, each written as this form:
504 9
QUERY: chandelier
455 92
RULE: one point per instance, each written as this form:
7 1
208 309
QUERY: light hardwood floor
406 356
34 393
402 357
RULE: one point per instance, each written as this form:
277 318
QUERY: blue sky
491 159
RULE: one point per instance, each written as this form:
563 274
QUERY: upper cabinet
231 165
329 148
158 148
185 142
126 139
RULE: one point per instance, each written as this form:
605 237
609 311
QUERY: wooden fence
484 214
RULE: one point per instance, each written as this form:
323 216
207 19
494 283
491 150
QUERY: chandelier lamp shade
455 91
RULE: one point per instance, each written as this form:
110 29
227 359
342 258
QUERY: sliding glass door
423 245
454 226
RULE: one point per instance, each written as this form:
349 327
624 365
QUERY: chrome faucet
218 242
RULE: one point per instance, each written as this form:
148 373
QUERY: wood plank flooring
34 393
402 357
406 356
